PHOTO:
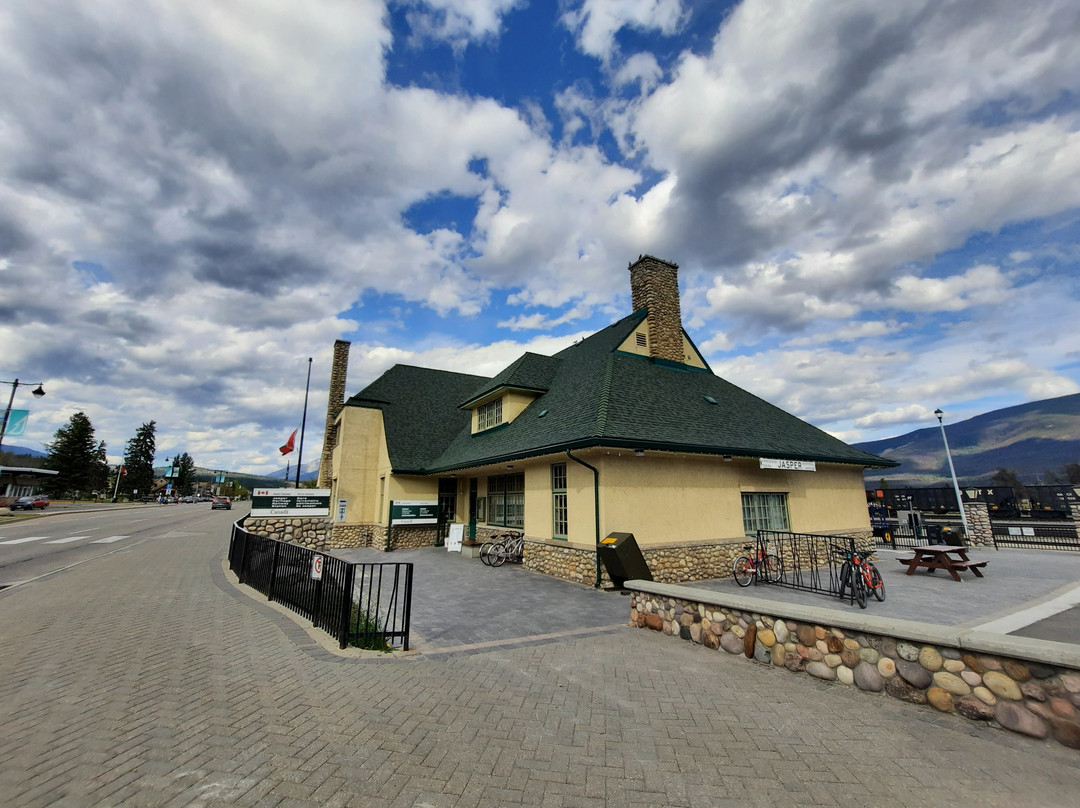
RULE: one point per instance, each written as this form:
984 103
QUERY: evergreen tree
185 475
139 461
79 460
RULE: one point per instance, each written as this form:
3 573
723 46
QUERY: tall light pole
37 392
952 471
303 426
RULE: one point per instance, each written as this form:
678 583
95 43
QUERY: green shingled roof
592 396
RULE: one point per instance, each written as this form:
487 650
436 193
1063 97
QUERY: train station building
628 430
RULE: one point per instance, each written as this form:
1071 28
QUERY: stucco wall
360 459
671 498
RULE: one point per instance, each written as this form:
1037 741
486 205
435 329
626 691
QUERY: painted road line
24 541
108 540
67 540
1033 614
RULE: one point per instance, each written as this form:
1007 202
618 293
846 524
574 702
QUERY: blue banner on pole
16 423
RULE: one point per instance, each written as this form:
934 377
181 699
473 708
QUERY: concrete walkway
147 679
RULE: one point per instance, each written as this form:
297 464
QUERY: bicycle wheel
774 568
485 552
877 583
858 586
498 555
844 577
743 571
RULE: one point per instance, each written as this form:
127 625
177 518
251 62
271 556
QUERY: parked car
31 503
221 503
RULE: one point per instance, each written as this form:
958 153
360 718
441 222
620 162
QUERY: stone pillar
978 519
339 371
654 285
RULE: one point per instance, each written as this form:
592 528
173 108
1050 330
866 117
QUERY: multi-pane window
489 415
558 500
506 500
764 512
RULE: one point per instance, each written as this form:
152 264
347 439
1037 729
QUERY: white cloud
596 22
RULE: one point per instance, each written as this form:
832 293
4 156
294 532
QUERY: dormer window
489 415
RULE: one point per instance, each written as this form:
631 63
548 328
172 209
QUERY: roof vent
710 399
641 342
542 414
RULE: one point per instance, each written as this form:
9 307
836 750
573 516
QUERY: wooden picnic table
940 557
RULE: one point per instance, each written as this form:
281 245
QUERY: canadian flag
123 471
289 444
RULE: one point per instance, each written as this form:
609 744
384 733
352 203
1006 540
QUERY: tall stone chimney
654 285
339 371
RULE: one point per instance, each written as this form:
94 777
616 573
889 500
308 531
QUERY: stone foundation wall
1029 697
307 532
570 562
374 536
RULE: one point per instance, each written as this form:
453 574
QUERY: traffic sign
316 567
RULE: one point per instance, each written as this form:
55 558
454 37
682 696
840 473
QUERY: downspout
596 510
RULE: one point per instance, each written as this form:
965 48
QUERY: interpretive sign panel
414 512
453 541
312 502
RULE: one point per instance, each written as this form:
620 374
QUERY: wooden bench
967 565
907 560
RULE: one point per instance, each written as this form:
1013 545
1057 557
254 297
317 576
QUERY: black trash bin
952 536
622 559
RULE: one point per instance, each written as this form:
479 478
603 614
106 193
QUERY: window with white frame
558 501
764 512
489 415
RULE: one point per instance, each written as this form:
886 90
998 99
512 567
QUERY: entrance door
472 509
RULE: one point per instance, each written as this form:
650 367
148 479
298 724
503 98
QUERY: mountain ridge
1035 440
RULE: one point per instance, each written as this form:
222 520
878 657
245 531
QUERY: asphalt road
60 538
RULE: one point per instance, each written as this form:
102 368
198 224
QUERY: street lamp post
952 471
37 392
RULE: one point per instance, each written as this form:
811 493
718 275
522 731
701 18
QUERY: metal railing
808 560
363 605
1036 537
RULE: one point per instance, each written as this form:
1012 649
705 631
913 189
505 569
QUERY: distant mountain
309 471
22 450
1033 440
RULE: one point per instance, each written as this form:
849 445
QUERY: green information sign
290 502
414 512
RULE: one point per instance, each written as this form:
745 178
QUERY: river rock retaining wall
968 677
312 533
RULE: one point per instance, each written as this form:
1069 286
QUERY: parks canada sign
313 502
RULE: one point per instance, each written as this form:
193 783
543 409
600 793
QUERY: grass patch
365 632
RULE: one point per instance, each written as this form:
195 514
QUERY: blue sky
875 208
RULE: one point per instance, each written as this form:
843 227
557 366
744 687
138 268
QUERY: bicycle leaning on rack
860 575
504 547
766 566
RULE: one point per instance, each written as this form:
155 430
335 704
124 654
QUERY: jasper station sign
312 502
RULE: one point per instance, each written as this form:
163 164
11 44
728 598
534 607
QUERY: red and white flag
289 444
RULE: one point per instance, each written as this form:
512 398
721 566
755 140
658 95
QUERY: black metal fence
1036 537
809 561
364 605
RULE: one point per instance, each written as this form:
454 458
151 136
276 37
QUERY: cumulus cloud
211 193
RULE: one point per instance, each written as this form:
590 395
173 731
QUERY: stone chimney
339 371
654 285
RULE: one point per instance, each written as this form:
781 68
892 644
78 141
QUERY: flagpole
303 425
287 467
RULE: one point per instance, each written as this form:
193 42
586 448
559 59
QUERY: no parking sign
316 567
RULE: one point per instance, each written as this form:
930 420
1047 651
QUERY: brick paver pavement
145 679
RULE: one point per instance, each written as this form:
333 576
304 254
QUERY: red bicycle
760 564
859 574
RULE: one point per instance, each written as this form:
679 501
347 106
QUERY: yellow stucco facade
660 497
